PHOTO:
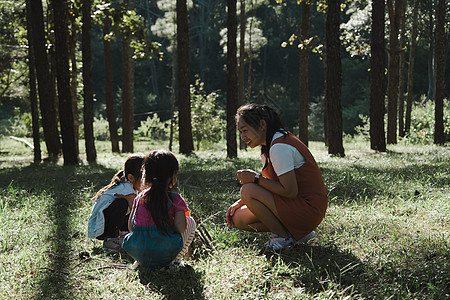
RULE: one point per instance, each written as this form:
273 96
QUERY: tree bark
184 101
401 80
439 137
241 84
232 82
412 56
47 107
303 89
109 87
334 79
32 86
88 85
395 9
377 85
127 89
70 153
74 78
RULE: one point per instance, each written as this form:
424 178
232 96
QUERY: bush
208 123
101 129
423 121
153 128
19 125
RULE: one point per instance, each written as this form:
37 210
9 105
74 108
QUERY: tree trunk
74 78
32 84
172 98
412 56
334 78
439 137
395 10
184 101
70 153
401 80
48 109
232 82
431 59
303 91
241 84
88 85
109 87
377 85
127 89
250 56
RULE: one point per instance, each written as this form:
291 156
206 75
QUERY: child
113 202
161 230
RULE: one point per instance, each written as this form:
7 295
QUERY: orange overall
302 214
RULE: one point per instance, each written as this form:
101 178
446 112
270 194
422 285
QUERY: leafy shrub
208 122
101 129
423 122
153 128
19 125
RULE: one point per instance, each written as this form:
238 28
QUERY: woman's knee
247 192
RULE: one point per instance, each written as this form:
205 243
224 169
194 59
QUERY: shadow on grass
317 269
62 184
175 283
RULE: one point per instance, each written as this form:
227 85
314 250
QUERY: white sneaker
306 238
277 243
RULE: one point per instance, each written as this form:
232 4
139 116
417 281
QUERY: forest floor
386 234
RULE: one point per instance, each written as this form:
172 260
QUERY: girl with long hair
161 230
109 214
288 197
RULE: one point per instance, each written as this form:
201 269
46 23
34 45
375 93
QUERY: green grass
385 235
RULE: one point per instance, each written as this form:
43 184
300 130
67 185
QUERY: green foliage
127 23
153 128
423 122
101 129
19 125
208 122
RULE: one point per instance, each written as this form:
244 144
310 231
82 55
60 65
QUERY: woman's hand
246 176
230 213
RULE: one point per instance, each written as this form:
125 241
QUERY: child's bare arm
129 198
180 224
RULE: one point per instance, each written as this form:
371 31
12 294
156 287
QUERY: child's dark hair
160 167
253 113
132 165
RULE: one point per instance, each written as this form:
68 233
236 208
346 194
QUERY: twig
23 141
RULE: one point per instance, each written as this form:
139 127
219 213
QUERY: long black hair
159 166
252 114
132 165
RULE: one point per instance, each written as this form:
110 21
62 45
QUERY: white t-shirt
284 157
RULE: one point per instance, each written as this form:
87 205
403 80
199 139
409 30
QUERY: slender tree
127 87
439 137
412 57
46 95
333 79
70 153
303 88
88 85
396 10
232 79
184 101
32 86
72 44
401 74
241 67
109 84
377 85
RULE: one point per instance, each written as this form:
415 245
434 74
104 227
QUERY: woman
288 198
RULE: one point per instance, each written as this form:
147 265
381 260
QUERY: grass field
386 234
